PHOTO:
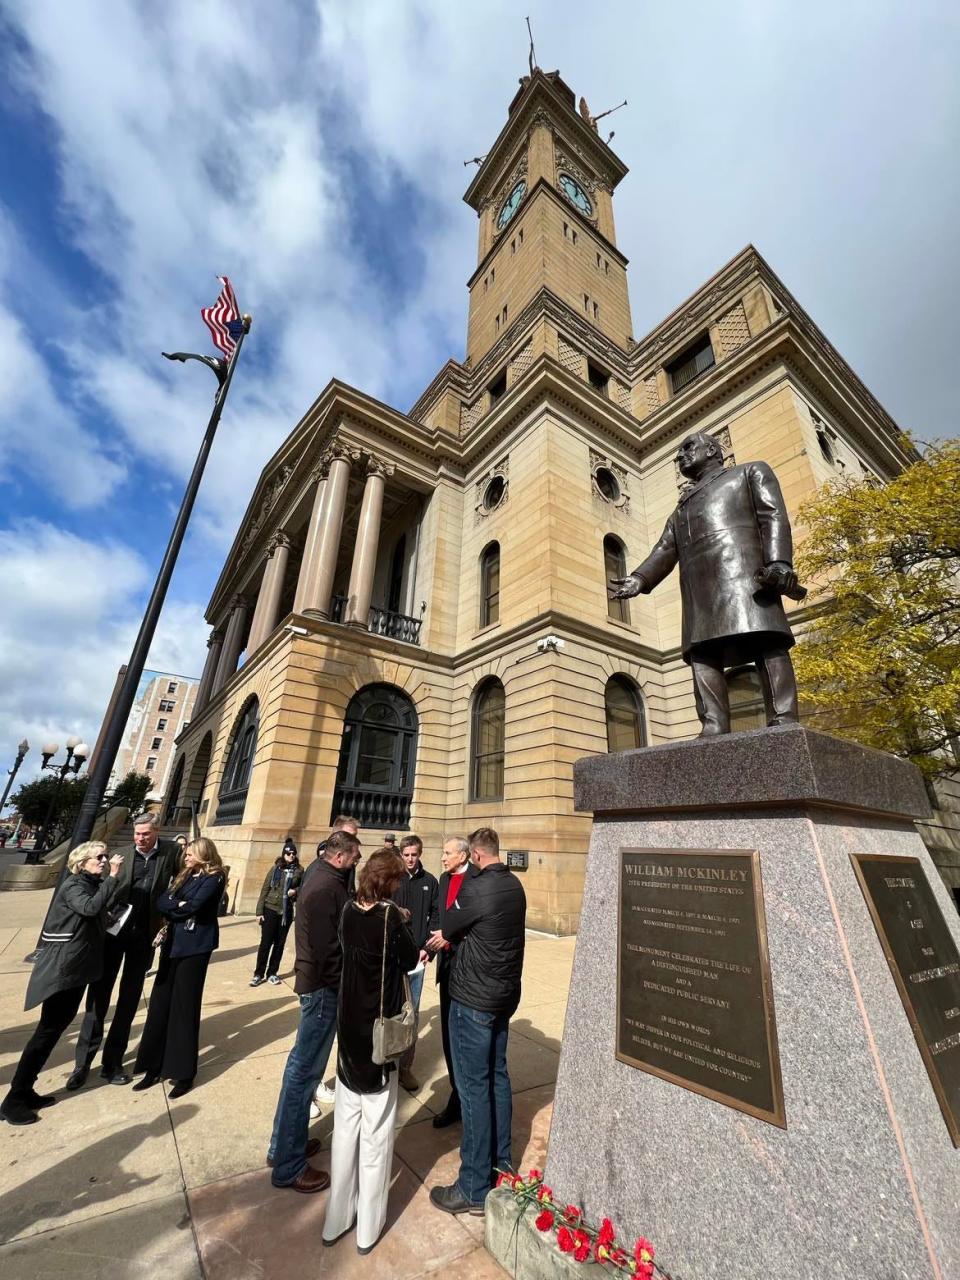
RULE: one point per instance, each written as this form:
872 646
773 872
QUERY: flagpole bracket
216 363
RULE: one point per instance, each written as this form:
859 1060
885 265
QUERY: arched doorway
236 773
377 758
173 795
197 778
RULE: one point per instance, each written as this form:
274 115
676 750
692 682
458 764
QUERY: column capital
378 467
215 637
280 539
238 601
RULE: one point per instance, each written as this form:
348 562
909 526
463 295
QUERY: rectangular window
490 586
151 764
172 687
166 705
520 236
493 274
691 363
597 377
566 231
161 724
486 281
496 323
598 261
504 315
513 245
606 267
586 303
574 235
596 311
497 388
156 744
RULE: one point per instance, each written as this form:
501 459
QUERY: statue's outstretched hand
624 588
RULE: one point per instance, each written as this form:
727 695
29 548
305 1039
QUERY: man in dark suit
146 873
730 535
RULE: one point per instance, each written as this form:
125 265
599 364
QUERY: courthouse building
420 597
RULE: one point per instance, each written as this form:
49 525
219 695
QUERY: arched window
173 794
377 757
490 585
193 792
747 710
236 775
486 745
626 724
615 566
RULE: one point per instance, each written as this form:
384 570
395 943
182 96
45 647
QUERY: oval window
493 494
607 483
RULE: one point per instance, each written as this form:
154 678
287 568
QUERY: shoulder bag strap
383 966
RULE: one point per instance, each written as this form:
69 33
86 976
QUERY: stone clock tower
543 195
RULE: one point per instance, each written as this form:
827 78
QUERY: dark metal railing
378 809
398 626
230 808
382 622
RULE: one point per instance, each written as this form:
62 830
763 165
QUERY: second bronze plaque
694 996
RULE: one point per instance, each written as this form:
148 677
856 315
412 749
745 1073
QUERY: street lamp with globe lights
77 753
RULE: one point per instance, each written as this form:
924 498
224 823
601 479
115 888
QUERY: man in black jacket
418 893
146 873
484 994
318 966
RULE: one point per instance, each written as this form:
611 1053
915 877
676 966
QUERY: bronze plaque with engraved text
925 964
694 997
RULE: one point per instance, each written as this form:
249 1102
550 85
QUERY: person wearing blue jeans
318 965
484 994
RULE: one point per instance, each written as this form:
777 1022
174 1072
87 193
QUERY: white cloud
71 609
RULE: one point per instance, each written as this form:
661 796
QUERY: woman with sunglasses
71 957
275 913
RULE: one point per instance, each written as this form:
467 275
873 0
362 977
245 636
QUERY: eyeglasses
100 857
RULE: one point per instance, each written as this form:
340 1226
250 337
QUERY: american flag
223 319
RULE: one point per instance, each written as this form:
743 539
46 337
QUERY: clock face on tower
511 204
575 194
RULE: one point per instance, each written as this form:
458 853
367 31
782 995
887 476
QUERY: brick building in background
162 710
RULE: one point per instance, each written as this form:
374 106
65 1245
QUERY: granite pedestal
864 1181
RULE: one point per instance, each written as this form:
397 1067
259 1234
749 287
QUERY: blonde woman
169 1046
71 956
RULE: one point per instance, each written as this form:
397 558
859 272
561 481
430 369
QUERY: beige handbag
392 1037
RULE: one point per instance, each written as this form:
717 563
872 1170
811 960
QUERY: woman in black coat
71 956
457 870
378 949
275 913
170 1044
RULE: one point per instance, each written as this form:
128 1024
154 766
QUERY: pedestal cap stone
786 765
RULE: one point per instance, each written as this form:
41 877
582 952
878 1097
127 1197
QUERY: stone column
214 645
360 590
318 587
271 588
232 642
311 550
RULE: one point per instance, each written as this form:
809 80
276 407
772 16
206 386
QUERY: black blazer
166 865
444 920
194 926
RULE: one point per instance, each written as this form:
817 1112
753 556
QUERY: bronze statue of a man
730 535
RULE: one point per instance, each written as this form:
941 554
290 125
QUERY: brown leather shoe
311 1180
313 1146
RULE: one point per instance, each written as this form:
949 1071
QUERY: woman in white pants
365 1109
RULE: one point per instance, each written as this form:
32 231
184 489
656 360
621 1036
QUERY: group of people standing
359 958
365 936
111 918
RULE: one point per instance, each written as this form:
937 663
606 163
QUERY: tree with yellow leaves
881 662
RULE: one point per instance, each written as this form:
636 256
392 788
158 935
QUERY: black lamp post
77 753
110 741
22 750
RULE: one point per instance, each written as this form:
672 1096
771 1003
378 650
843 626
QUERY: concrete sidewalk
124 1184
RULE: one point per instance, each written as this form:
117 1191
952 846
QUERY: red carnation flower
566 1241
544 1192
643 1250
606 1233
572 1214
643 1270
545 1221
582 1252
536 1175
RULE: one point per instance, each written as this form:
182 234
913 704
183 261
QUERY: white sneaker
324 1097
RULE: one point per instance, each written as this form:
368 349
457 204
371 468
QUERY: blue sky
315 153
